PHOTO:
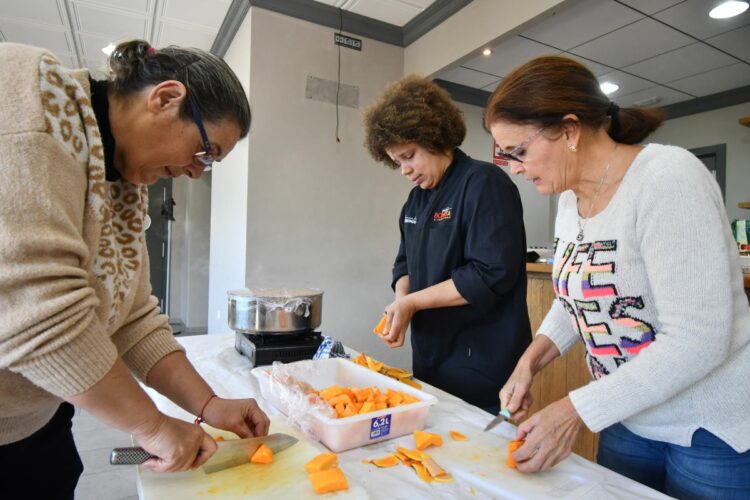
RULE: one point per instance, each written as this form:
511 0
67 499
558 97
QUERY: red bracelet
199 419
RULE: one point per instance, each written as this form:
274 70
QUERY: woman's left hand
549 434
241 416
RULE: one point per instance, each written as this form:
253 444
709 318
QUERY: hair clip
151 51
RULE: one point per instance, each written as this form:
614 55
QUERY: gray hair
211 83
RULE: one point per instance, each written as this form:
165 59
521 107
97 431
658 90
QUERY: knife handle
129 456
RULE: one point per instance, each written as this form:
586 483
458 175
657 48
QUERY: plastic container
340 434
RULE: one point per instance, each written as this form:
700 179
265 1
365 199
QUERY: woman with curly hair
459 276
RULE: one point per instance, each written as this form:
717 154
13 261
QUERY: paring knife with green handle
231 453
503 416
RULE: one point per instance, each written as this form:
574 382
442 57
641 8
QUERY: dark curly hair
413 109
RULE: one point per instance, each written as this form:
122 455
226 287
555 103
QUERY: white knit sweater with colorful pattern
655 292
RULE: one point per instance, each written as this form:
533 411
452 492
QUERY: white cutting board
284 478
481 462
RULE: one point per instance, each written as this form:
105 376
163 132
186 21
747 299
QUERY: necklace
581 222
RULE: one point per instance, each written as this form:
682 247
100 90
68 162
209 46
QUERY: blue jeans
708 468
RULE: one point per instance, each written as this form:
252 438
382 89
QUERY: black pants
45 465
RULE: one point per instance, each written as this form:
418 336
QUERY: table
477 465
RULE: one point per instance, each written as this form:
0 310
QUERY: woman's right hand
516 393
398 316
176 444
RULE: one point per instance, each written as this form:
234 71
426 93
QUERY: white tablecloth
476 464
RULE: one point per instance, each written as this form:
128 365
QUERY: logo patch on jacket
409 220
444 214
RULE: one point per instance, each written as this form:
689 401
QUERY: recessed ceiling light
487 51
728 9
609 87
108 49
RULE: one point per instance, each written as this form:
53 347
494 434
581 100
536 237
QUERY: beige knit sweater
74 278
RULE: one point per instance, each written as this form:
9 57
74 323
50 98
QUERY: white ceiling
398 12
678 55
76 30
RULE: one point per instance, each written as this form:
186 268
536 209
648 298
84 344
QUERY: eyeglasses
204 157
511 156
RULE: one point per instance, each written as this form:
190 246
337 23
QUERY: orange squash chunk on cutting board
457 436
323 461
328 480
425 439
263 455
513 446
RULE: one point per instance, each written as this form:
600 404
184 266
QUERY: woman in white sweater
646 274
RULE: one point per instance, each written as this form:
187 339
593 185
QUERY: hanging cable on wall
338 78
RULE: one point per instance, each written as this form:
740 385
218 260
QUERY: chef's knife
231 453
503 416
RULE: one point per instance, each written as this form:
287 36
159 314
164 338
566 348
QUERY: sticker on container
380 426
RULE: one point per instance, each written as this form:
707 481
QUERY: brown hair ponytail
544 90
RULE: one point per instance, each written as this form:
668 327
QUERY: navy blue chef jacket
469 228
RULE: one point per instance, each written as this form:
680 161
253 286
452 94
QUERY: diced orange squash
341 398
395 399
457 436
328 480
381 406
367 407
362 394
425 439
339 409
381 398
348 411
263 455
330 392
384 462
380 327
322 462
400 456
513 446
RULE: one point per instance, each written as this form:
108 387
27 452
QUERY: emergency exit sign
347 41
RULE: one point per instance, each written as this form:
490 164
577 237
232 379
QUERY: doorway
715 159
158 239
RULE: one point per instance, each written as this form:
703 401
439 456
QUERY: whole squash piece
513 446
328 480
263 455
323 461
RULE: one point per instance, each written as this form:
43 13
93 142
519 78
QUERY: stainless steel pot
274 310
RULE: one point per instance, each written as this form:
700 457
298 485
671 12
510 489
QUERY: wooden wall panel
564 374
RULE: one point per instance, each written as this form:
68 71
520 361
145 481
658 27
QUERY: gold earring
572 148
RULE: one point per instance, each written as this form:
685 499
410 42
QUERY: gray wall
719 126
229 185
319 213
536 208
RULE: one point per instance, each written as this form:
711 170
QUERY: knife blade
503 416
231 453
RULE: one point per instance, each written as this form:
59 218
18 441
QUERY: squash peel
385 462
395 373
457 436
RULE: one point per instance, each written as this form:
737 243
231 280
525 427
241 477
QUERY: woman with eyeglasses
460 275
646 274
78 324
